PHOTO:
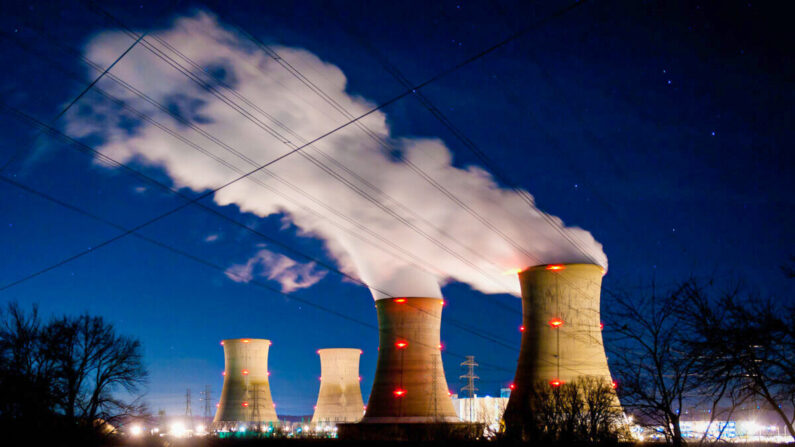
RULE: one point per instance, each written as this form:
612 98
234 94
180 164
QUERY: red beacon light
245 404
441 346
556 323
400 300
555 267
521 328
223 373
556 383
614 384
222 342
442 302
399 392
601 326
512 386
401 344
245 340
245 372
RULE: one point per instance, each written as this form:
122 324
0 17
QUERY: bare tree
649 359
747 345
68 373
584 410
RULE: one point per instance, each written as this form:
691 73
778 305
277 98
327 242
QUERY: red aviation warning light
512 386
245 404
556 383
556 323
615 384
442 302
441 346
399 392
555 267
401 344
245 340
400 300
521 328
245 372
601 326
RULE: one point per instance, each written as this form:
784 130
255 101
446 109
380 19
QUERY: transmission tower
207 402
470 376
188 412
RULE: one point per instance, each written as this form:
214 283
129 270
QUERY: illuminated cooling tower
246 396
409 385
340 396
561 331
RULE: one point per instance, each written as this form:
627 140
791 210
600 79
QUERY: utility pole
471 377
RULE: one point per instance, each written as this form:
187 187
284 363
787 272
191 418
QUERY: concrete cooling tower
340 396
562 337
409 385
246 396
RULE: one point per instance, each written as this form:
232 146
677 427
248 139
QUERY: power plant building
409 385
246 396
561 331
340 395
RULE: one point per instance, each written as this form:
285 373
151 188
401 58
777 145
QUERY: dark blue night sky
664 130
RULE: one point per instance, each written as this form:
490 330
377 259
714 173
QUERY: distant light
615 384
223 373
222 342
245 404
555 267
449 393
556 383
512 386
442 302
401 344
601 325
178 430
400 300
556 323
318 352
521 328
245 340
200 428
441 346
361 352
268 373
399 392
136 430
360 378
270 343
274 405
245 372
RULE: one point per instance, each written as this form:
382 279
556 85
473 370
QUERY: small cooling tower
340 396
562 337
246 396
409 385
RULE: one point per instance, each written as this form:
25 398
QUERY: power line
210 264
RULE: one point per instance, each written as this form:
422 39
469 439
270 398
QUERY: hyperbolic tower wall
340 395
409 385
246 396
562 331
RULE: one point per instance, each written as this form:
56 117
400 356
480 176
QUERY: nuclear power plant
246 395
340 395
561 331
409 384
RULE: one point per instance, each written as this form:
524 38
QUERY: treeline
63 380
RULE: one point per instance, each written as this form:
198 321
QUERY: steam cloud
290 274
432 241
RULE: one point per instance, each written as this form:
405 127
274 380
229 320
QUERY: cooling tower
246 396
340 396
562 337
409 385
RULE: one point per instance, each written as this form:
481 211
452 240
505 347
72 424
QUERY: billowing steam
359 190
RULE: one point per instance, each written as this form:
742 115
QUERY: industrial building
246 396
561 331
486 410
340 395
409 385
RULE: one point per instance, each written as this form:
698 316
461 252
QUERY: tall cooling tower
340 396
562 337
409 385
246 396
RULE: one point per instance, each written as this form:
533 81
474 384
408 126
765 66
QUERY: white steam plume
431 241
286 271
